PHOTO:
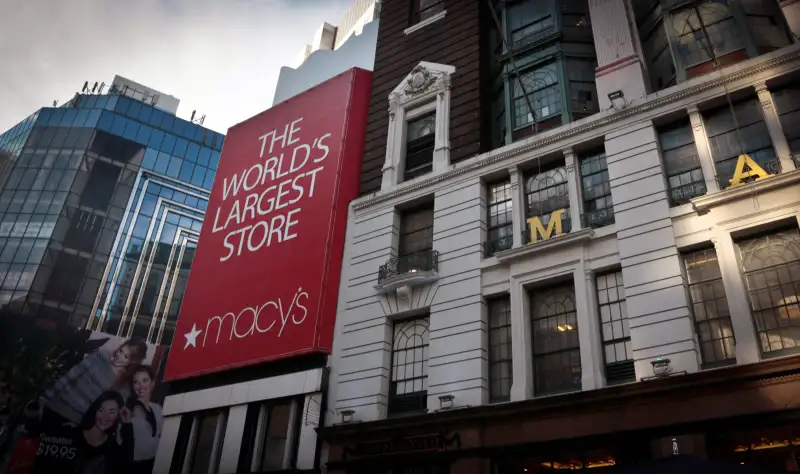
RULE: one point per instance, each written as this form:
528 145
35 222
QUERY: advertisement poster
265 277
97 409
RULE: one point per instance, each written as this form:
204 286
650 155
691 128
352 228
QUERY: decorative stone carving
425 88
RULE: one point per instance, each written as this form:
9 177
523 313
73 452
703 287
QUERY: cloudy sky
219 57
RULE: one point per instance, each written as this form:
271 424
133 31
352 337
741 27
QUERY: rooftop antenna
202 119
94 88
85 86
192 119
102 86
55 103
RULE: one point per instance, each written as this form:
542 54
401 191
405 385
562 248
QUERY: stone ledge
545 245
703 204
407 280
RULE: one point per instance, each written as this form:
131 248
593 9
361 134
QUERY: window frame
506 241
392 406
695 174
570 349
503 329
621 300
254 442
606 213
706 323
425 143
403 234
430 8
187 463
560 186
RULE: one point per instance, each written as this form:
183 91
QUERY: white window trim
425 22
216 450
425 88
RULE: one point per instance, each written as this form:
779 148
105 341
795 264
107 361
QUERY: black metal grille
424 261
683 194
620 372
598 218
491 247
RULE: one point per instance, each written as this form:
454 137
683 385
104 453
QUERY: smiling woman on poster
70 397
98 448
143 420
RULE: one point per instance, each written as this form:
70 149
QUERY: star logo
191 337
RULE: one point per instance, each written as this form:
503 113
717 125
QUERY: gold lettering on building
553 227
740 176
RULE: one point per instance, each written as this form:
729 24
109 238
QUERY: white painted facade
645 242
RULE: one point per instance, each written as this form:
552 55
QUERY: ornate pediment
424 80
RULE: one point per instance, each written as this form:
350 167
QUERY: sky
219 57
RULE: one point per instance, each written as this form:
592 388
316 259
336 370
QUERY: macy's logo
248 320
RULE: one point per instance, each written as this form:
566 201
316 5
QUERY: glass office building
100 211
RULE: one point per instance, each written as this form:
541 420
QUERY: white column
517 205
747 348
166 444
307 441
394 148
703 150
588 329
574 183
232 441
521 357
775 129
441 152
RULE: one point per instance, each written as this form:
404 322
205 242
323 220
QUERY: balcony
491 247
598 218
408 271
684 194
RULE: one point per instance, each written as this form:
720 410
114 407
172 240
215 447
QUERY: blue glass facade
100 213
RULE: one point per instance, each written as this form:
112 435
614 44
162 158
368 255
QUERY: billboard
264 281
77 401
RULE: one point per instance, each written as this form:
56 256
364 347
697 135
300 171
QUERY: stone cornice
704 203
790 53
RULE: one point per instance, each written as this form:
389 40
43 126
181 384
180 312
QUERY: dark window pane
409 377
500 357
100 187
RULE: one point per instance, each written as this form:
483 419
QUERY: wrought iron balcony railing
598 218
772 167
683 194
491 247
424 261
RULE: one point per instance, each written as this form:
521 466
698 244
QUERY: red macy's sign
265 278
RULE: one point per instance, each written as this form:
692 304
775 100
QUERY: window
598 210
556 351
704 31
409 385
208 432
500 374
420 141
700 36
65 280
415 249
730 135
787 104
582 86
712 319
771 267
615 328
528 20
424 9
547 195
100 186
266 443
500 232
541 84
83 231
681 163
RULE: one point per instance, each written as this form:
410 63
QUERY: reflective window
500 226
681 163
547 196
556 350
787 103
743 131
615 328
598 209
409 377
500 373
544 94
416 231
712 319
266 445
771 267
420 140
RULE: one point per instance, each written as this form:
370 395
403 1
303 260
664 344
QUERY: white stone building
614 249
